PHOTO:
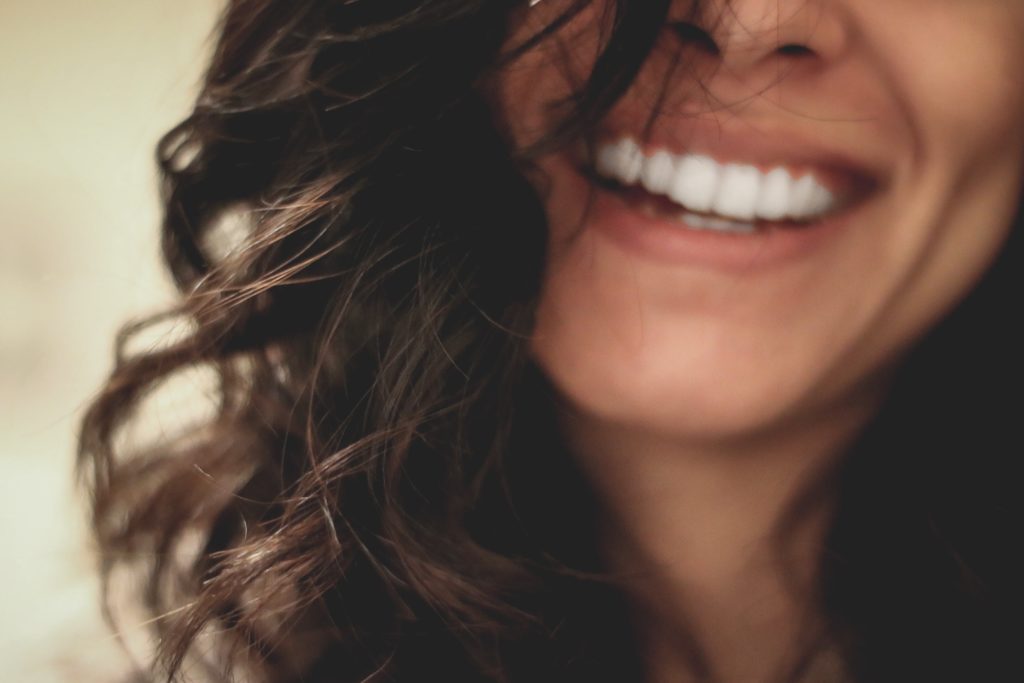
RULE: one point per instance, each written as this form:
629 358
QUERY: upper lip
766 148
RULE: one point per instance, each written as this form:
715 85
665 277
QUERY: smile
727 201
706 194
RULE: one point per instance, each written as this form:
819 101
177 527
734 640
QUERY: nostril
691 34
794 50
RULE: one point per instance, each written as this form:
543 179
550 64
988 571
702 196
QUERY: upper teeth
699 183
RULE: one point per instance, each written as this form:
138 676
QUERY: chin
713 400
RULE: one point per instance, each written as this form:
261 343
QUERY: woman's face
881 159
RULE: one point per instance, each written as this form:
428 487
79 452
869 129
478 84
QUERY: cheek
958 77
961 85
975 120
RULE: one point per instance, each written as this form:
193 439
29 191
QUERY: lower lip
673 242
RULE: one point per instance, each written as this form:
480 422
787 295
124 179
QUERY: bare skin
692 531
700 399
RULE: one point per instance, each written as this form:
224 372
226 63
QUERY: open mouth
660 206
701 193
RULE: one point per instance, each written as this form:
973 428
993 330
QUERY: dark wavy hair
375 488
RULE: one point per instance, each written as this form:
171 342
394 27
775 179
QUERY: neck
706 539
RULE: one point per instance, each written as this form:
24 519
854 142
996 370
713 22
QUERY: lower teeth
715 223
698 221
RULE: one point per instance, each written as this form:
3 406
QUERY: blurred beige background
87 87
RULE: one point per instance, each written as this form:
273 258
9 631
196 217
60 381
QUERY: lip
853 169
672 242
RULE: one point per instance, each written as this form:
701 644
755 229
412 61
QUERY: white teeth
658 172
700 184
695 220
773 201
810 199
623 161
821 200
695 183
632 160
737 192
800 199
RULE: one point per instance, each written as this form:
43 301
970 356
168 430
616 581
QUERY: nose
748 37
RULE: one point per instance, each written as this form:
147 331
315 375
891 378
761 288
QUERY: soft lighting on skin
706 377
700 353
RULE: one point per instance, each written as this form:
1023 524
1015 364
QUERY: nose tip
743 34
